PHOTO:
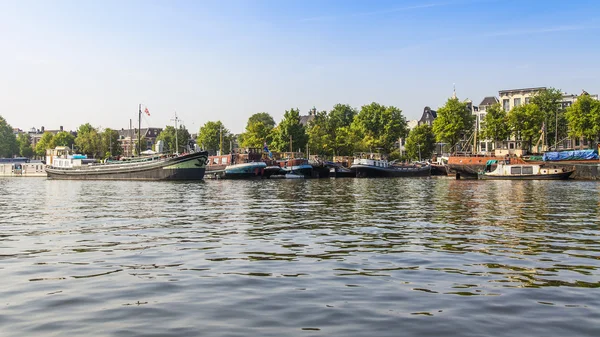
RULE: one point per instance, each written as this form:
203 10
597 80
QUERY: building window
527 100
517 102
506 104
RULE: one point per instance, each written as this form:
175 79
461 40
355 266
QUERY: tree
46 142
258 130
8 140
289 129
88 141
168 137
110 143
548 101
24 143
453 121
63 138
319 134
340 120
526 123
209 137
420 142
380 127
584 118
495 124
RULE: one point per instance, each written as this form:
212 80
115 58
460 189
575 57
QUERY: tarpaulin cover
570 155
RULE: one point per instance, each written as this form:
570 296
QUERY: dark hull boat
369 168
185 167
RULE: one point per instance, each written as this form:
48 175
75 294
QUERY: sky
66 63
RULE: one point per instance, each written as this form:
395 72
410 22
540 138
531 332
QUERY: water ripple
328 257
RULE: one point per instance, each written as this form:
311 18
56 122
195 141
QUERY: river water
329 257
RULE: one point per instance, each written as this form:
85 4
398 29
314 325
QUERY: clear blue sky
71 62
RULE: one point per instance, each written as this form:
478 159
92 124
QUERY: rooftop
521 90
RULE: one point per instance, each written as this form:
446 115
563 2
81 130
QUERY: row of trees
341 131
544 114
345 130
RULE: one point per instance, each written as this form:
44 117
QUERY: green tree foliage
46 142
453 121
319 134
63 138
258 130
340 120
421 140
495 124
88 141
379 126
549 103
289 127
8 140
584 118
209 137
526 123
168 137
24 143
110 143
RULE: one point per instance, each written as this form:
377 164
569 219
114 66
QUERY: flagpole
140 131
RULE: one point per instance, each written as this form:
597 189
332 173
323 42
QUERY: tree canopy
110 143
584 118
526 122
453 121
46 142
209 137
88 141
24 143
258 130
495 123
168 137
420 142
379 126
289 128
320 139
8 140
63 138
548 102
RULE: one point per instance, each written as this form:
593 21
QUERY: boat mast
140 131
176 141
221 140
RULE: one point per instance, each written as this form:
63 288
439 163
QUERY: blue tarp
570 155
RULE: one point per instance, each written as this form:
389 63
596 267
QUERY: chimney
61 128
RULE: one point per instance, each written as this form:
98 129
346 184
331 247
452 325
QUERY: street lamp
419 145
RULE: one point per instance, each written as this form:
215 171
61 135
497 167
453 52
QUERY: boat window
527 170
216 160
515 170
224 161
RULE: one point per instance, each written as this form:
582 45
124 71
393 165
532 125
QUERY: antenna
176 119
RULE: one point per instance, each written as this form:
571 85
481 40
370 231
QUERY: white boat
21 167
505 171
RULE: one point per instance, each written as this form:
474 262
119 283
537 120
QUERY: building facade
516 97
128 139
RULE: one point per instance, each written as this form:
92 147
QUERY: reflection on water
318 257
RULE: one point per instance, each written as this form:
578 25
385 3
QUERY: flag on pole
146 111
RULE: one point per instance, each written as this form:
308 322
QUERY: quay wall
587 171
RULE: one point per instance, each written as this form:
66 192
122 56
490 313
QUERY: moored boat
178 167
372 168
21 167
298 166
505 171
245 170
